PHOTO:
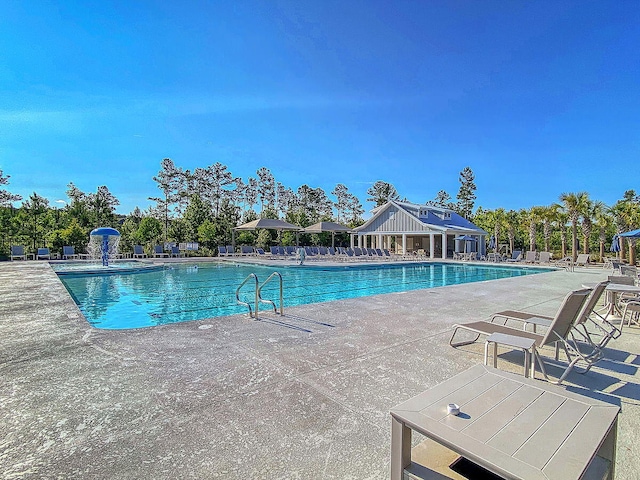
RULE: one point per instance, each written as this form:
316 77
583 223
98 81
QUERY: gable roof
437 219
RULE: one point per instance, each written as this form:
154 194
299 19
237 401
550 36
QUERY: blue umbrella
615 244
632 234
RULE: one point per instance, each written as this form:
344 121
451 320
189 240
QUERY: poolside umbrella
465 238
269 224
332 227
615 244
631 234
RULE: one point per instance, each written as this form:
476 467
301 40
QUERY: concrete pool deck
304 396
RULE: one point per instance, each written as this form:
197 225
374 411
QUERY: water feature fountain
103 244
103 249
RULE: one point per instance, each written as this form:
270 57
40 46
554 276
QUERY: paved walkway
237 398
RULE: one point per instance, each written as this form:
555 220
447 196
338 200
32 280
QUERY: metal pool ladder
258 293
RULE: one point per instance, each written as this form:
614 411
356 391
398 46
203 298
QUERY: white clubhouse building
423 229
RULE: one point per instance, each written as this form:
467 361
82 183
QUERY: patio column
353 241
379 244
444 246
432 245
404 243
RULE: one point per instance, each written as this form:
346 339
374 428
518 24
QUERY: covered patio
406 228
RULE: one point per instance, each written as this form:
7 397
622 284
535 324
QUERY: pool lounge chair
566 263
589 317
557 334
582 260
175 252
516 256
222 251
530 257
68 252
43 254
138 252
17 251
158 251
230 251
544 258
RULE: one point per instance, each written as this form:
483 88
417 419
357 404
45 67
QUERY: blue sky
538 98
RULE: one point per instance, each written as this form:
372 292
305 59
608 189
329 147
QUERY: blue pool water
191 292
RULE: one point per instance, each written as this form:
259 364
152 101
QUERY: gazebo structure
266 223
410 228
332 227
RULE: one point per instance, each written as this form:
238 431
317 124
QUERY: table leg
400 448
608 448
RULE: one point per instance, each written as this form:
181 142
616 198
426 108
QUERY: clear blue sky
538 98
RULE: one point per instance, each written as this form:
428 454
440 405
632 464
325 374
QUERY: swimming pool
184 292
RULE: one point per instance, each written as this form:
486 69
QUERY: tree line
204 205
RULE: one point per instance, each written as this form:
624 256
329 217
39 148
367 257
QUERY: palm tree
511 221
573 204
603 222
548 216
627 217
533 216
588 213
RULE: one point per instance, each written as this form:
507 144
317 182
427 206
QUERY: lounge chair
138 252
582 260
68 252
175 252
557 334
531 257
17 251
222 251
230 251
544 258
43 254
565 262
516 256
158 251
605 330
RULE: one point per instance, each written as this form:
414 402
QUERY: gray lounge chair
544 258
557 334
17 251
582 260
604 329
531 257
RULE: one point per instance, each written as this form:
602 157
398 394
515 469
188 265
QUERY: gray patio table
613 290
515 427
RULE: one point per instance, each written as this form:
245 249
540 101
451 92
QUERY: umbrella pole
333 239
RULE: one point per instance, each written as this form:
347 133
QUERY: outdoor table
613 289
515 427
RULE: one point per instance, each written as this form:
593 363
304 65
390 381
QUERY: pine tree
466 195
